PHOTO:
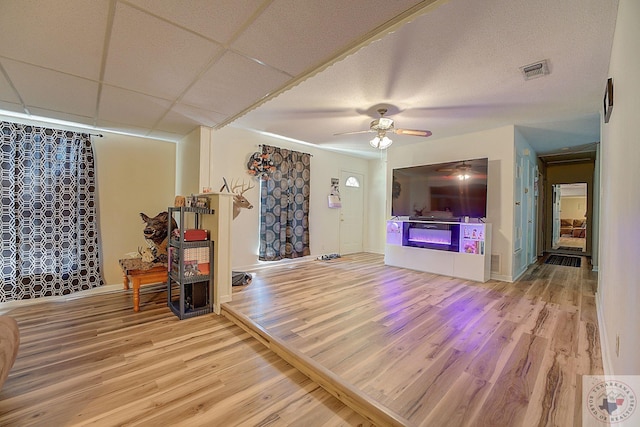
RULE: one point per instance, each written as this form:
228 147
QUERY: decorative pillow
578 223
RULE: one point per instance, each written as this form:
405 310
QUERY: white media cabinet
457 249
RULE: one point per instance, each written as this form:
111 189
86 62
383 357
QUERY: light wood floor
572 242
92 361
424 349
433 350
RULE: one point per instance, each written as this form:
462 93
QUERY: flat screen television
441 191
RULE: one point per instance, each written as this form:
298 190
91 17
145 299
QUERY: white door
517 218
532 202
352 212
557 195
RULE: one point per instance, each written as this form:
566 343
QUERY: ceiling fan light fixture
382 123
381 142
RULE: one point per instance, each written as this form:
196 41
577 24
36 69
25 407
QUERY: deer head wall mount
239 200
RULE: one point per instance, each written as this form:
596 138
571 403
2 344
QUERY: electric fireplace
440 236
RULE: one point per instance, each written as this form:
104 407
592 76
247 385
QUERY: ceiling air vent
535 70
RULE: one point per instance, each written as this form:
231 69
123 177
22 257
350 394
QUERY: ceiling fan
383 125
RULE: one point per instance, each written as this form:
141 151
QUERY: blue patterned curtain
284 206
48 213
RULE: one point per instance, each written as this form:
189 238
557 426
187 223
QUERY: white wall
228 151
619 270
375 232
495 144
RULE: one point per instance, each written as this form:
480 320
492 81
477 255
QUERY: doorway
570 217
351 213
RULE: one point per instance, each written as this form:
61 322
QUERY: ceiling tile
6 91
66 36
218 20
52 90
126 107
322 30
232 84
162 59
57 115
176 123
10 106
184 118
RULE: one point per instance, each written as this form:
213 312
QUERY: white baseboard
10 305
501 278
604 342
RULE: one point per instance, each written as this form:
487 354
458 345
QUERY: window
352 181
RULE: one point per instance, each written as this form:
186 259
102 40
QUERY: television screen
441 191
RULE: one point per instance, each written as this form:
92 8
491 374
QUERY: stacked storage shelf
190 278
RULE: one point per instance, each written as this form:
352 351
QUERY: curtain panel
284 206
48 213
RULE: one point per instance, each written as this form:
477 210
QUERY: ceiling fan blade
413 132
352 133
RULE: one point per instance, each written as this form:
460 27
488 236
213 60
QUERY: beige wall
618 296
188 161
133 175
573 207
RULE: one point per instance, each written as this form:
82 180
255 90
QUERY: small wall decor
260 165
334 194
239 200
608 100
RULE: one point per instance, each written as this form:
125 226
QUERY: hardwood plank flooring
423 349
401 347
90 360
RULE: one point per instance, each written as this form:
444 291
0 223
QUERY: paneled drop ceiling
308 69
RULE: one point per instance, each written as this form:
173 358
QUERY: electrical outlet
617 345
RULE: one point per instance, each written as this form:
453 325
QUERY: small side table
141 273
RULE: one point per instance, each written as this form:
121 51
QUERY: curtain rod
262 145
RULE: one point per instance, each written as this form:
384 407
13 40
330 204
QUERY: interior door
518 253
529 202
557 195
352 212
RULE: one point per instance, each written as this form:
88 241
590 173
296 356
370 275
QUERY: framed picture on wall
608 100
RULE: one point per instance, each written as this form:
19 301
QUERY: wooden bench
141 273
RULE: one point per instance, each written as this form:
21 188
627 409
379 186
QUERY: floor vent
535 70
495 263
